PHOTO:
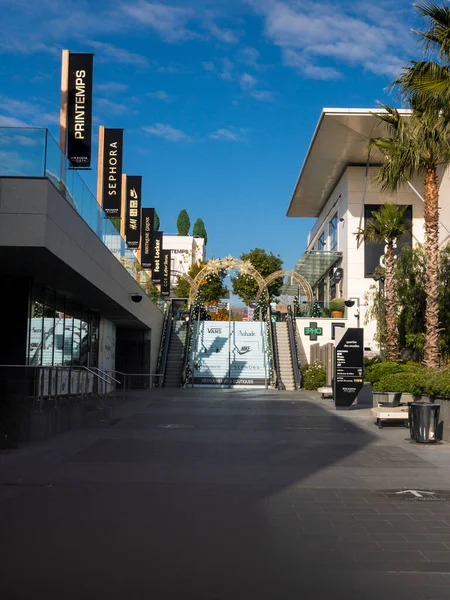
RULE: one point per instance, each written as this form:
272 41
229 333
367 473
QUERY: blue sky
218 98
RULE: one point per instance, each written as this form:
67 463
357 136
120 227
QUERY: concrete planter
386 398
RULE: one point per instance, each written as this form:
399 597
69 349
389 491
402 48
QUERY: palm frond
437 37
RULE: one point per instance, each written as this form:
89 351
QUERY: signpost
348 368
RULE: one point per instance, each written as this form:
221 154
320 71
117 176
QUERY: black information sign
79 110
165 281
148 220
112 171
348 367
157 256
133 216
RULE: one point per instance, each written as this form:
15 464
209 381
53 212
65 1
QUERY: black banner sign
79 110
148 220
348 367
157 268
133 216
373 252
165 281
112 171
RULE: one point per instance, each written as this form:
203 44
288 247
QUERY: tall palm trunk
431 218
392 347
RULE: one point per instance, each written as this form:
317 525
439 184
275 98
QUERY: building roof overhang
340 140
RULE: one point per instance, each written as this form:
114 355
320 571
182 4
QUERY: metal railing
293 346
187 349
165 343
276 359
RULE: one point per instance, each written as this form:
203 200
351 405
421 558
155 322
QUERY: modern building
336 186
73 293
185 250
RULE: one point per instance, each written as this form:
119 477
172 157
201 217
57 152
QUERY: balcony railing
34 152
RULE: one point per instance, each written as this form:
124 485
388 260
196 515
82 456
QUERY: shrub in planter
413 383
379 370
337 304
314 376
438 383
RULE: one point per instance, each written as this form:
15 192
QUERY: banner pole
64 101
101 148
123 209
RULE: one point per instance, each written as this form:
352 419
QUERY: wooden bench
326 391
385 413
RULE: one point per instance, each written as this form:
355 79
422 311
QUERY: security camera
136 297
349 303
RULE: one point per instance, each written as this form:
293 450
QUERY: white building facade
336 185
185 250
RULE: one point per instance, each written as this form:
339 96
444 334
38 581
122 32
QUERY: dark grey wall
14 300
43 236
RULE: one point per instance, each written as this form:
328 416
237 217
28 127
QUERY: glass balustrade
34 152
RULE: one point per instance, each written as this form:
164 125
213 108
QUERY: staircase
175 357
284 357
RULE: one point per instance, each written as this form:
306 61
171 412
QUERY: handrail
189 333
165 354
105 374
274 361
293 346
162 343
278 381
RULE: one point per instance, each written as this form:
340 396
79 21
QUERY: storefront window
48 336
333 232
60 331
76 340
68 332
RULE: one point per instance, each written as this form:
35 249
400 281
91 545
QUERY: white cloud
167 132
208 66
111 86
6 121
168 21
250 56
224 35
116 108
227 70
247 81
109 52
159 95
228 134
358 35
263 95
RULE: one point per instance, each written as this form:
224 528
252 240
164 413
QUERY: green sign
313 331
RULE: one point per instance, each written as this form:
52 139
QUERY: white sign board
229 354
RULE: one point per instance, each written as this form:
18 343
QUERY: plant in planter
314 376
337 308
392 387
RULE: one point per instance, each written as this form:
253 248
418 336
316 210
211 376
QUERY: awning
314 264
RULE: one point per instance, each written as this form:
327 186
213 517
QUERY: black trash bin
423 422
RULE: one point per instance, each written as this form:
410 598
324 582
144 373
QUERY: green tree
418 145
200 230
410 283
425 85
157 222
246 287
386 226
212 288
444 299
183 223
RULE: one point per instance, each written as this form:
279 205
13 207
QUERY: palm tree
386 226
418 145
426 84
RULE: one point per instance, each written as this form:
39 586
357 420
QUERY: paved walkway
224 494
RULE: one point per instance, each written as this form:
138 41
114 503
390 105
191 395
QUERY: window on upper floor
333 233
321 242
